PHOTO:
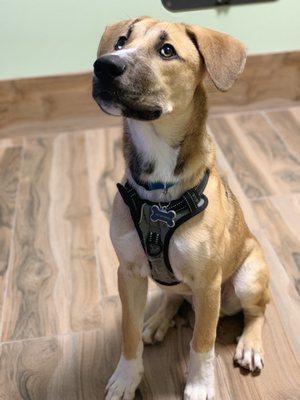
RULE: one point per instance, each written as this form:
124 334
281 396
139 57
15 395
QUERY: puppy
174 219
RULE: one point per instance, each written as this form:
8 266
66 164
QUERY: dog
174 218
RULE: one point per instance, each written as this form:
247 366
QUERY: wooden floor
60 313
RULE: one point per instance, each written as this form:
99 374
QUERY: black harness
156 223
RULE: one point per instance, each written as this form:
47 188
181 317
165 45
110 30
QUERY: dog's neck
174 150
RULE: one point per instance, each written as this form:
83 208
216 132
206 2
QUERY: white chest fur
155 149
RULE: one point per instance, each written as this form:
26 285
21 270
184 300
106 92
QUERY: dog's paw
200 382
198 391
249 355
155 328
125 380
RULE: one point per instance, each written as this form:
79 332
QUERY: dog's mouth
115 101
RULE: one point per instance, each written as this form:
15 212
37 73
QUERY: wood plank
228 175
10 161
272 153
26 368
53 286
69 367
77 366
255 183
258 155
285 122
104 173
279 217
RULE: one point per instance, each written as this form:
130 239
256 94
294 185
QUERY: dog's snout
112 66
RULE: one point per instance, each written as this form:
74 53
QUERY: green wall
39 37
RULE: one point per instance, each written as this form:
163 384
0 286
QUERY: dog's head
145 69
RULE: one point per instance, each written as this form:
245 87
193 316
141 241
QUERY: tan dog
152 73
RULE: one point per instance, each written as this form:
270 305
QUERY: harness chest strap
156 223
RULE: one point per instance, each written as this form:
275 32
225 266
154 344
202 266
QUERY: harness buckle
154 244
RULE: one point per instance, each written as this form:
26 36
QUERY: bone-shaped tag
161 214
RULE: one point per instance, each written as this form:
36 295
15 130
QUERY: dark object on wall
182 5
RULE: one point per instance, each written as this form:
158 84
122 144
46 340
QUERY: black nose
111 65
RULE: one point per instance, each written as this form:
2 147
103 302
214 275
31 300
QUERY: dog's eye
120 43
167 51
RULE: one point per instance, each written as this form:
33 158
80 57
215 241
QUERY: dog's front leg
200 380
128 374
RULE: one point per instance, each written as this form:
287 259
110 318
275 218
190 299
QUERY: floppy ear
224 56
113 32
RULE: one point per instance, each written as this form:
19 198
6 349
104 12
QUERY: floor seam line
9 266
